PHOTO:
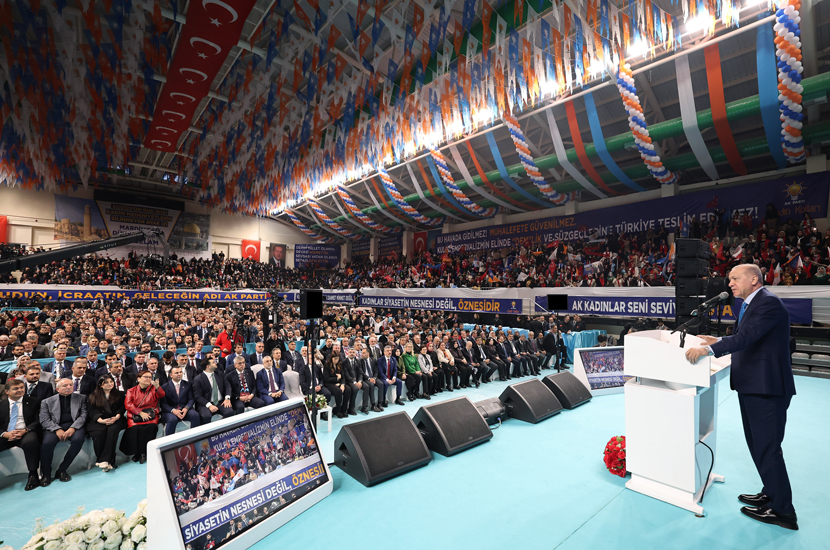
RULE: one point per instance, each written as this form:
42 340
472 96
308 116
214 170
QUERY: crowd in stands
790 252
115 369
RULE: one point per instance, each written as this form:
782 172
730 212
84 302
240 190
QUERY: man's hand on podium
708 340
693 354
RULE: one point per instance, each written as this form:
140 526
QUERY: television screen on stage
604 367
224 483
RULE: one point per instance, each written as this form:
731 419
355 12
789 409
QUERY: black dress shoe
352 412
33 482
135 458
63 476
478 384
384 404
364 410
377 408
340 415
449 390
113 466
764 514
427 397
141 460
399 402
45 480
754 500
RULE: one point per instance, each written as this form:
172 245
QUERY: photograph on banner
604 368
361 250
278 254
792 197
316 255
78 220
229 482
390 248
191 233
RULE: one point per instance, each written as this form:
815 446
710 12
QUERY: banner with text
792 197
483 305
76 219
800 309
390 247
316 255
79 293
360 250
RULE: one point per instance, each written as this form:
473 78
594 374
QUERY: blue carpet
538 486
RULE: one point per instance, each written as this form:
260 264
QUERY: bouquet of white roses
321 401
106 529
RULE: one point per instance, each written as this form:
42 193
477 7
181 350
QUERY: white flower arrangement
107 529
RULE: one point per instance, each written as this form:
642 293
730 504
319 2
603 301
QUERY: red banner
213 27
250 249
420 242
4 229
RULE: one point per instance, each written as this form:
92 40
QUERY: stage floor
538 486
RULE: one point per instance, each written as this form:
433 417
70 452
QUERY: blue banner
792 197
482 305
800 309
390 247
316 255
89 293
360 250
330 297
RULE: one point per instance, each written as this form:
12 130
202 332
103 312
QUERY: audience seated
63 418
19 420
177 403
106 419
142 405
270 383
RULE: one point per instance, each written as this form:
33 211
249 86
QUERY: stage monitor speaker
375 450
452 426
491 410
685 305
530 401
692 248
568 389
311 303
690 287
557 302
692 267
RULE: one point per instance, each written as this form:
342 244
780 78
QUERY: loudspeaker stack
692 268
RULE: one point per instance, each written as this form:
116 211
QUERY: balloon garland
367 221
788 51
637 123
314 235
402 204
457 193
331 223
523 150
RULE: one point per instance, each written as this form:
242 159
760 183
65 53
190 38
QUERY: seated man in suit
238 352
305 373
212 393
62 418
243 386
58 366
388 375
276 356
258 355
34 387
19 421
123 380
93 363
366 374
5 348
126 362
292 355
82 382
160 377
189 369
270 384
177 403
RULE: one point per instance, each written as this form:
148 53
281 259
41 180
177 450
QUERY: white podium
670 407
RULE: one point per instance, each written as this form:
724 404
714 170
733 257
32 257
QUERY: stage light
638 48
701 22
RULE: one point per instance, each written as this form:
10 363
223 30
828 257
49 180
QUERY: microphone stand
691 323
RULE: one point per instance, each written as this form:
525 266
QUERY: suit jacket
289 357
760 348
41 391
349 373
202 391
387 371
127 380
232 378
49 368
50 412
87 385
161 376
551 343
5 354
31 412
230 359
263 385
172 401
504 351
360 370
305 377
252 358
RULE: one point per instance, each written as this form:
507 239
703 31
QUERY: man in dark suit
158 374
93 363
243 386
292 355
552 344
368 378
762 375
59 365
350 369
258 355
305 375
229 360
211 393
270 384
189 369
506 357
123 380
20 427
5 348
82 382
177 403
34 387
62 418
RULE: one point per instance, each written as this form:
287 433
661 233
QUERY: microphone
723 296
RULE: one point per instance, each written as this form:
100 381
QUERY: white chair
256 368
292 384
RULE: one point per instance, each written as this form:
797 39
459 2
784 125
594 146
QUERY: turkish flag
250 249
420 242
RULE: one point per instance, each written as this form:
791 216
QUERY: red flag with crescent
250 249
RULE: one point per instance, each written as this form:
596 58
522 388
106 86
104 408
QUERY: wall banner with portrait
277 255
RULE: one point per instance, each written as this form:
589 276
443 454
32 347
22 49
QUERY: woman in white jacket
430 373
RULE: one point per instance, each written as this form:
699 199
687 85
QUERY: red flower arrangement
614 456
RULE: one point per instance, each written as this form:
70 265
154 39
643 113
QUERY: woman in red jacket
142 404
